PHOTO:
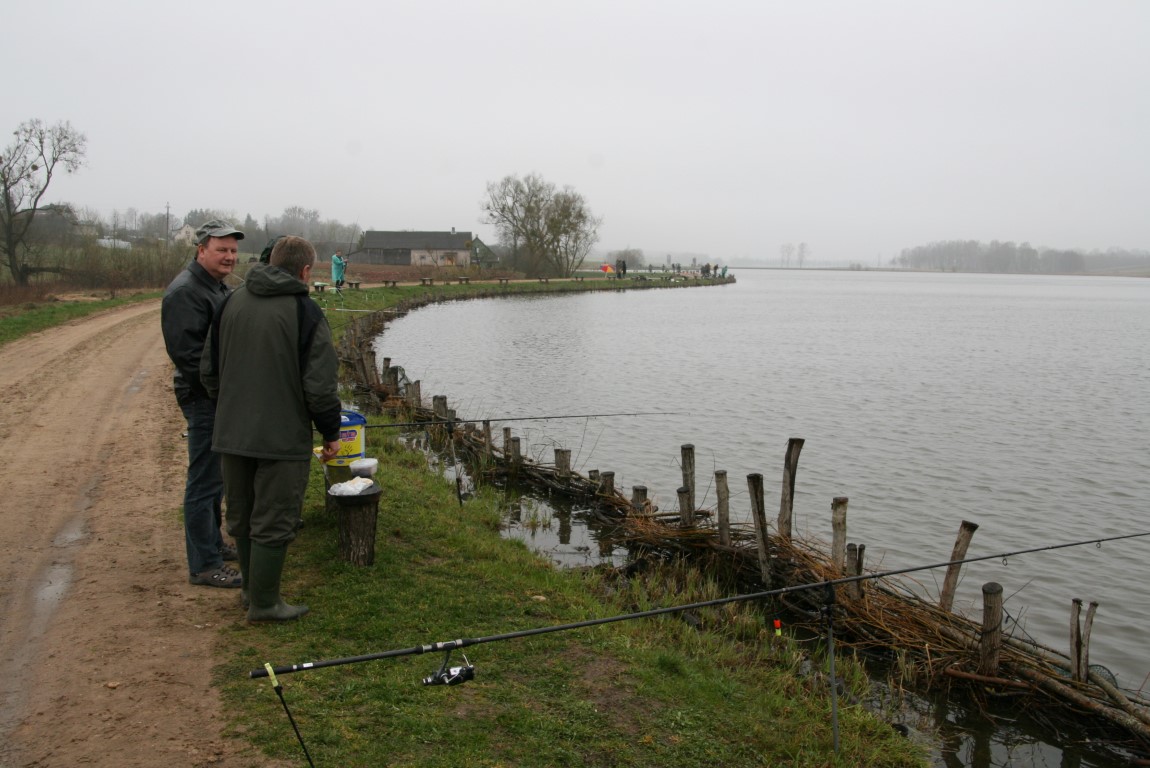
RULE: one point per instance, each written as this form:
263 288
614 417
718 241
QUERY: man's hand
330 449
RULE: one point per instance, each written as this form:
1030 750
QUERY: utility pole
167 224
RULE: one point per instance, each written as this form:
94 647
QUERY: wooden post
790 472
608 486
439 407
688 453
724 494
991 640
372 370
1089 624
487 439
686 516
563 462
516 457
1075 640
852 560
950 583
638 497
758 512
838 532
416 395
507 441
860 560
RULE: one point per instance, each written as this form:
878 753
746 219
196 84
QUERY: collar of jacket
202 275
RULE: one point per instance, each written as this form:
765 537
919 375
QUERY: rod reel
447 675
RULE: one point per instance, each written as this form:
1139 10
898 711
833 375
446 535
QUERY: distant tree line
996 256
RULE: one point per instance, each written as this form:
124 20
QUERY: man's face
218 256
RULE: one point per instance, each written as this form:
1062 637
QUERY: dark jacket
270 362
185 316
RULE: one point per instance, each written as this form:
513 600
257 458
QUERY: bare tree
803 252
786 251
554 228
26 169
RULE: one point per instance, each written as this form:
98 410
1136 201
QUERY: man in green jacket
270 362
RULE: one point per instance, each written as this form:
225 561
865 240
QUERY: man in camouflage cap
186 315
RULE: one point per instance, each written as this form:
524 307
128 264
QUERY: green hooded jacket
270 363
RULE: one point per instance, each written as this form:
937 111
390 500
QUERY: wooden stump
358 516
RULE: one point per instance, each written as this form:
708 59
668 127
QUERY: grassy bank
650 692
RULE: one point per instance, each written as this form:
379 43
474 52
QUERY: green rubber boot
244 557
265 569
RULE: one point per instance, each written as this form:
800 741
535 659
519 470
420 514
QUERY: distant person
270 361
185 317
622 267
338 267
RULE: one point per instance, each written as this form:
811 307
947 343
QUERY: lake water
1021 403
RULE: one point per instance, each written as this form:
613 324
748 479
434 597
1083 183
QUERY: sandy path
105 649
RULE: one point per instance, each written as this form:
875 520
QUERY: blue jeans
204 490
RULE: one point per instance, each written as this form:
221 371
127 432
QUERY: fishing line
448 646
433 422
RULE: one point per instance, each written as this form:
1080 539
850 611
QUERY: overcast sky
723 128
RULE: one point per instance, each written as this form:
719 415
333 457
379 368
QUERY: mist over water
1020 403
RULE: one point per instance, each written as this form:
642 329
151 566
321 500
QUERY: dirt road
106 651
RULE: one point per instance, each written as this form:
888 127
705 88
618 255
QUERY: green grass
650 692
23 319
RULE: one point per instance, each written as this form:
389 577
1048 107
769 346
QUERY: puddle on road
75 531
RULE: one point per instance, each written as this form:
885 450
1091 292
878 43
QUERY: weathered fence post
516 456
371 369
758 512
688 453
790 472
860 560
1085 666
686 514
506 442
608 486
1075 640
991 640
838 532
950 583
439 407
415 396
487 440
638 497
724 495
852 560
563 462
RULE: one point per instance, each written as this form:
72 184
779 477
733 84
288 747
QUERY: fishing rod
446 673
445 422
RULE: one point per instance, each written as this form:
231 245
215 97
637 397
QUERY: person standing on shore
186 313
338 268
270 360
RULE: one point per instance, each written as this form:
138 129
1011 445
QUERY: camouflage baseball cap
216 228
